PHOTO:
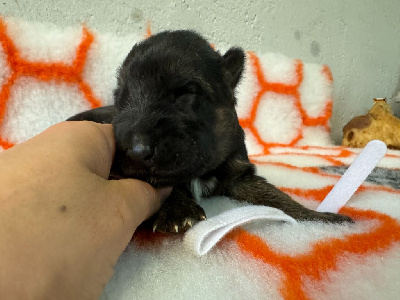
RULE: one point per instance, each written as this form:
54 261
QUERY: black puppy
175 124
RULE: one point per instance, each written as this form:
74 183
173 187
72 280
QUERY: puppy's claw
154 228
173 219
203 218
187 223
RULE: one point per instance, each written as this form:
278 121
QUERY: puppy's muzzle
142 152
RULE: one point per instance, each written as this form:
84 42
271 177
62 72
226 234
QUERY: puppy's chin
155 176
157 181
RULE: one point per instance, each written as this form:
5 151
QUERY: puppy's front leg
255 189
178 213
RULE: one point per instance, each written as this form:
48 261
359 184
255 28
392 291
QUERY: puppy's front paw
172 219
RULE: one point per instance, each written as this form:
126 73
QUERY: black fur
174 121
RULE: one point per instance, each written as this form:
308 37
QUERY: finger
99 158
137 200
92 144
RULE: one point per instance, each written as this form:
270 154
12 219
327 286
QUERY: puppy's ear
234 64
103 115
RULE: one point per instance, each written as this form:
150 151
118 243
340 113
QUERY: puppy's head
175 117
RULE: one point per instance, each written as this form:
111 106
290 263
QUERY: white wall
358 39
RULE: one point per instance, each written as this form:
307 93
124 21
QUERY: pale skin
63 225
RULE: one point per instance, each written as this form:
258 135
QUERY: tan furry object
378 124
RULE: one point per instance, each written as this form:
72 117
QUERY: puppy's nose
141 152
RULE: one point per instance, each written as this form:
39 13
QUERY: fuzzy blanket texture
48 74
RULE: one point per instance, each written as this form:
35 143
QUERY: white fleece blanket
48 74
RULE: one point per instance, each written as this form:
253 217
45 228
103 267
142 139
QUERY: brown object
378 124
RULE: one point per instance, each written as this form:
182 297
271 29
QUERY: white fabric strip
354 176
204 235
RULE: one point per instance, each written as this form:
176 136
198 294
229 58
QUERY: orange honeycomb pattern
57 72
285 89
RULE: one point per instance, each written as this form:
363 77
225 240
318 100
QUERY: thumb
138 199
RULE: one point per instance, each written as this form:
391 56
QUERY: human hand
63 225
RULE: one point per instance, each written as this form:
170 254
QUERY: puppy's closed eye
189 88
187 98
